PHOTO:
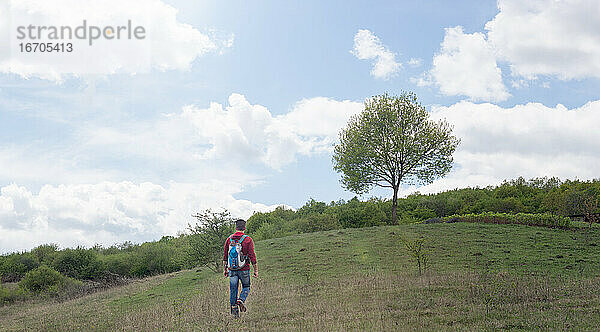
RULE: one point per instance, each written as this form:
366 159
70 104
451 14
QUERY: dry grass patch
91 312
455 301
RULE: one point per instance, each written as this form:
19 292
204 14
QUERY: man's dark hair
240 224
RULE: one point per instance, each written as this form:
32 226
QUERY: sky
236 104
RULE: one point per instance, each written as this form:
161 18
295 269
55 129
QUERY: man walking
238 253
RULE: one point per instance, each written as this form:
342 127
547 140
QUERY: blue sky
236 105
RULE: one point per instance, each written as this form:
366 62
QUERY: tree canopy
393 141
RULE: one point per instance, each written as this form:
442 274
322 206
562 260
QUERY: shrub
120 263
277 229
284 213
508 205
260 218
79 263
11 295
48 282
205 245
355 214
416 249
41 279
311 207
423 213
316 222
45 253
406 217
385 209
14 266
265 231
279 215
153 258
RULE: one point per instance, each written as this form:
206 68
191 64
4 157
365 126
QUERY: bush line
530 219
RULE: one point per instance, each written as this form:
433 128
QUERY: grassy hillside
481 276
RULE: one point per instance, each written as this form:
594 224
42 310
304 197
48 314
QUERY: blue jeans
234 279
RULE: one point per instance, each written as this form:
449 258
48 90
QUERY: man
239 248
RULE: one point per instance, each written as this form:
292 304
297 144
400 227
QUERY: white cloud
318 118
548 37
530 140
168 44
538 37
109 212
183 146
367 46
466 65
238 133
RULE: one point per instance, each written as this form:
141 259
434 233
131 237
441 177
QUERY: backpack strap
240 240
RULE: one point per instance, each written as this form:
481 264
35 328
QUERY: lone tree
207 237
393 141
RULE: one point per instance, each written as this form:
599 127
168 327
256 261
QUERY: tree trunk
395 206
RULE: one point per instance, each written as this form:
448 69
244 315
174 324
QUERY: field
480 277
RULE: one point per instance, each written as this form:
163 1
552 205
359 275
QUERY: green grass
481 277
179 288
453 247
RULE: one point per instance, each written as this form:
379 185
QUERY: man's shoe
241 305
235 311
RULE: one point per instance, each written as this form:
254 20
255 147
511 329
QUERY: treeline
535 196
68 273
126 259
202 243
